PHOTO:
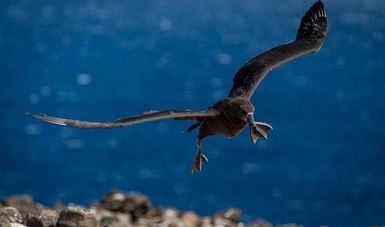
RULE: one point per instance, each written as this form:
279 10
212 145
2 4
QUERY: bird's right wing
128 121
310 36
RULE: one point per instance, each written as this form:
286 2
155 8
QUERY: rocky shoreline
115 209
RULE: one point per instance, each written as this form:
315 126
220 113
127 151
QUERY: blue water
99 60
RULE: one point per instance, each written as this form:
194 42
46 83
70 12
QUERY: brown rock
23 203
136 205
190 219
46 218
12 214
113 200
76 217
154 213
231 214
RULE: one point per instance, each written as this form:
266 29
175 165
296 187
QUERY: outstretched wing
124 122
310 36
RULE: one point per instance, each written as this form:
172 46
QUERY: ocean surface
324 162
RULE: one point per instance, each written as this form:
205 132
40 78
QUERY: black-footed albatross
229 116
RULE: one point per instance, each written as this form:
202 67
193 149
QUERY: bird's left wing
128 121
310 36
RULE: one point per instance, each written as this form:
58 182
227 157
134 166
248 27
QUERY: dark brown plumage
229 116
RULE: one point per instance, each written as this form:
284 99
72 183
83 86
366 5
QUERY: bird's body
230 121
229 116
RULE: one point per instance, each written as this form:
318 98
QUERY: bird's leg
199 158
257 129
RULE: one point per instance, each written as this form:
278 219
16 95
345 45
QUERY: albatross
229 116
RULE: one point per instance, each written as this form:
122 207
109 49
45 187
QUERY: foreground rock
115 209
76 216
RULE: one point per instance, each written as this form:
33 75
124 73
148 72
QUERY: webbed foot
199 159
258 129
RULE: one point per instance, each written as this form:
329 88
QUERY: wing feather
128 121
310 36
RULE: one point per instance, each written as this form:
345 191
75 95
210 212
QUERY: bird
229 116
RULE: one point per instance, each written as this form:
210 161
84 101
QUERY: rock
112 219
23 203
259 223
231 214
46 218
206 222
222 222
141 222
119 220
171 222
135 205
190 219
154 213
77 216
12 214
113 200
170 213
4 221
17 225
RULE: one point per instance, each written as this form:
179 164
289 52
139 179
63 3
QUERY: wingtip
317 9
46 118
313 23
36 116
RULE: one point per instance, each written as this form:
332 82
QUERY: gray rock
231 214
12 213
113 219
46 218
259 223
76 217
4 221
206 222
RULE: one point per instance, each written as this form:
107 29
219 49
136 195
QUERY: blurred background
102 60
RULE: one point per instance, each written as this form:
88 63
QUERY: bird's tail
314 23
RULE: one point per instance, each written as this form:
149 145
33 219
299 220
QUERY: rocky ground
115 209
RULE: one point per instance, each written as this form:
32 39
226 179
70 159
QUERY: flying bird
229 116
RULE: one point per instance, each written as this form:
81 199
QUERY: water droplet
32 129
83 79
224 58
34 98
166 25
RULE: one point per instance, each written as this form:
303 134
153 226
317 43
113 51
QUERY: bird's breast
220 125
